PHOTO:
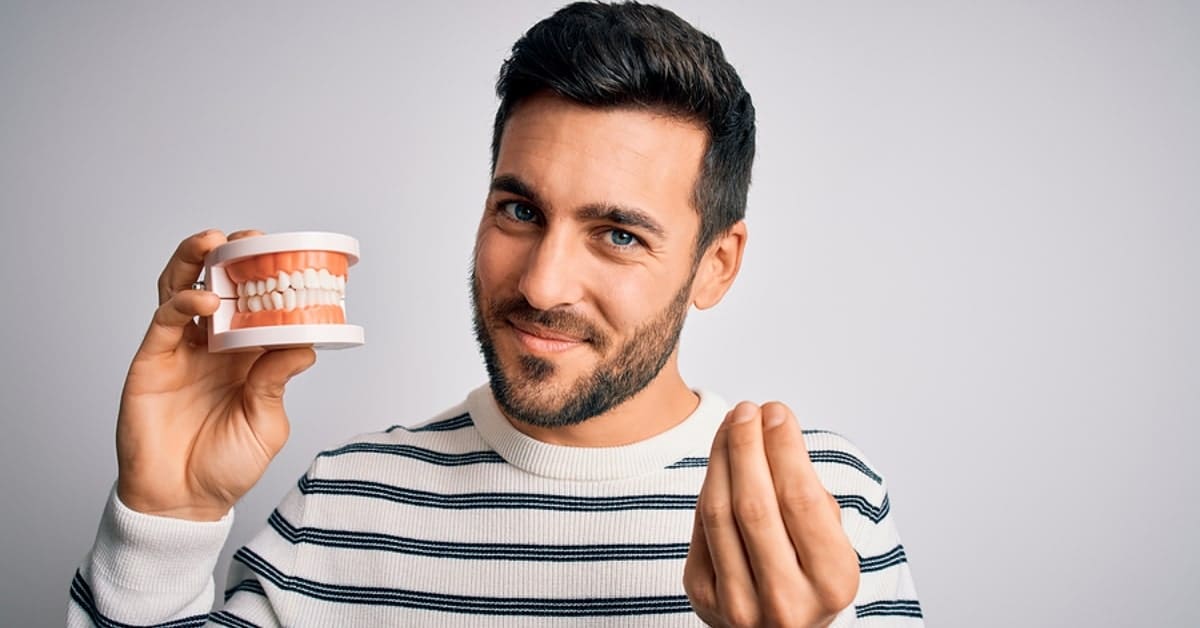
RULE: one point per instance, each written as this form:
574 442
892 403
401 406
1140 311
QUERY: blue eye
622 238
520 211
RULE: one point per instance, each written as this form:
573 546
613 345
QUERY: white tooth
301 298
341 284
241 304
297 278
289 299
268 305
241 289
326 278
261 286
277 301
311 280
255 303
283 281
250 288
319 295
270 284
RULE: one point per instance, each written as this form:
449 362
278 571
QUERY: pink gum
317 315
269 264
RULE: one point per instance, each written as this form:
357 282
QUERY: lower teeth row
288 300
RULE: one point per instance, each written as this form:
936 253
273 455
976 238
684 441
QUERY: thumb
264 389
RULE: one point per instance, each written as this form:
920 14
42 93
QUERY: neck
661 405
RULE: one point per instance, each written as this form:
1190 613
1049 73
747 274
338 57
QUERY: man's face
584 257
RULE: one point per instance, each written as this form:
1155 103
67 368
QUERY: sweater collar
691 437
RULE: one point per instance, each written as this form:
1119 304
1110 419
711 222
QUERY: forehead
573 155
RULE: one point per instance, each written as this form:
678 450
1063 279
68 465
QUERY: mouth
538 339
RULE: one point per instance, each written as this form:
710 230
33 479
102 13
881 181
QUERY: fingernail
773 417
742 413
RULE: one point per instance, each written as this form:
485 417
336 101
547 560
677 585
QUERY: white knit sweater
465 521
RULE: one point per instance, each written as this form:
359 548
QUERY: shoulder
847 473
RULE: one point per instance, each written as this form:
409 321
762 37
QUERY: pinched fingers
810 513
776 569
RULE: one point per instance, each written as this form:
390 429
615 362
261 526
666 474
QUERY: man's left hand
767 545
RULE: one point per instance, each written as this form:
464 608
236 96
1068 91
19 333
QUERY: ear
719 267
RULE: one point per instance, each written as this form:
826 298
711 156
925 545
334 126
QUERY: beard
523 393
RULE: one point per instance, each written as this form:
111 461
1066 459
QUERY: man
587 483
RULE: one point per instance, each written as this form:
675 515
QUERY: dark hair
642 56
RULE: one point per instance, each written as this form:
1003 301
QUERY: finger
184 267
810 514
173 318
244 233
734 580
263 396
699 579
756 508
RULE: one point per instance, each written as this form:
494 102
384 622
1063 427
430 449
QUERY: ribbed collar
691 437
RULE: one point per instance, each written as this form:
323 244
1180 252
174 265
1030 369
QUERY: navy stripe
502 501
417 453
687 463
897 608
82 594
841 457
864 507
890 558
541 607
475 551
445 425
226 618
250 585
816 455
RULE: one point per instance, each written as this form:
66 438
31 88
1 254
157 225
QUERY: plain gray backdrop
974 233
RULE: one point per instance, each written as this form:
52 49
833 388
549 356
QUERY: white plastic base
280 336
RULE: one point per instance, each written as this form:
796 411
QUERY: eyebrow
619 214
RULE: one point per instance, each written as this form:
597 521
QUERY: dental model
280 290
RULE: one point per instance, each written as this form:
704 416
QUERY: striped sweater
465 521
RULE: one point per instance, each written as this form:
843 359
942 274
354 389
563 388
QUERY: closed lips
540 332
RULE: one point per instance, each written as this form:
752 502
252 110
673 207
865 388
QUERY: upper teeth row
309 278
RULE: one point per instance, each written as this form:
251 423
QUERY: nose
551 276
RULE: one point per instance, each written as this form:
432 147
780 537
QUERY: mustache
561 321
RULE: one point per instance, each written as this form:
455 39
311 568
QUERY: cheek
497 259
629 299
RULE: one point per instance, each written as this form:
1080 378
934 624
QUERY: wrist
188 512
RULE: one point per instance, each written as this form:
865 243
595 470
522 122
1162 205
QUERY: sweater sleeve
145 570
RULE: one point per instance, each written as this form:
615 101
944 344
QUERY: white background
974 235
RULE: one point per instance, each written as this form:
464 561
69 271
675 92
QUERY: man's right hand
196 429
